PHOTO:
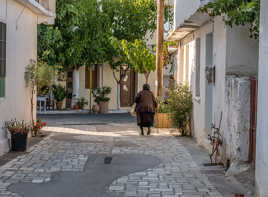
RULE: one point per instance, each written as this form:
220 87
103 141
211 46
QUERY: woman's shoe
149 131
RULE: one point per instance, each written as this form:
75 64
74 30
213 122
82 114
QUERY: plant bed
175 110
163 120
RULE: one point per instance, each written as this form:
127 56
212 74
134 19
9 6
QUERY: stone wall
236 119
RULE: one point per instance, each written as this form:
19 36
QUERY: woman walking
145 108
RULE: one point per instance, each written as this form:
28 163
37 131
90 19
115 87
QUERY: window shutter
209 49
95 77
2 58
86 77
2 49
197 70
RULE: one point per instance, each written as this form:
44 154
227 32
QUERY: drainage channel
108 160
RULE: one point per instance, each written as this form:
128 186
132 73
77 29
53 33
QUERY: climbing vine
237 12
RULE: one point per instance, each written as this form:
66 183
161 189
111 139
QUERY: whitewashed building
218 62
262 123
18 45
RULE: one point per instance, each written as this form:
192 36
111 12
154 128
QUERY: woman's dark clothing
145 108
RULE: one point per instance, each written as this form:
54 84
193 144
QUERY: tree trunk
118 96
147 77
32 116
159 53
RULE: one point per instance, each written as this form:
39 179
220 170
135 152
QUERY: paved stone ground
179 172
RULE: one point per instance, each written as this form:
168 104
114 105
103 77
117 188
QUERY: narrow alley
104 156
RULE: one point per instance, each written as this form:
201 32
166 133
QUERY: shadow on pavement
93 182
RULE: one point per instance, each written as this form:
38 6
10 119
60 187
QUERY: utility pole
90 89
159 46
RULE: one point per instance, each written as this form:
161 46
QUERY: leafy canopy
83 29
141 58
238 12
78 36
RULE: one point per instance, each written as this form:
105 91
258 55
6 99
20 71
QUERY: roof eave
37 8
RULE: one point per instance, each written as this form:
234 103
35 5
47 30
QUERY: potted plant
60 94
101 98
39 124
163 117
19 132
81 103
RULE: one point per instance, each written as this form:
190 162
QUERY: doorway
253 119
127 89
208 82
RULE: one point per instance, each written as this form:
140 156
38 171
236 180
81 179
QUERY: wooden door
127 89
69 87
253 119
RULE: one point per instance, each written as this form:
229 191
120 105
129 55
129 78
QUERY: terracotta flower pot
104 106
76 107
59 105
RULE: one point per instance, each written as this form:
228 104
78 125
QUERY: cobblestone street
70 162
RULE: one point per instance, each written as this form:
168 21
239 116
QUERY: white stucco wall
21 47
242 52
230 95
183 9
199 102
236 123
262 122
108 80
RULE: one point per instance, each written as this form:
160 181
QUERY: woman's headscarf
146 87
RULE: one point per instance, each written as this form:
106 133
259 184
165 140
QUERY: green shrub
81 103
163 106
101 94
59 93
180 105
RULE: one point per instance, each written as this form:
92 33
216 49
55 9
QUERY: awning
181 32
190 25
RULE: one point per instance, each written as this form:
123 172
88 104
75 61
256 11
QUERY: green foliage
141 58
59 93
180 104
163 106
130 19
39 74
81 103
83 29
121 60
166 55
49 42
101 94
78 36
238 12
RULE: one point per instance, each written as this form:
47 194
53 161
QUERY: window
209 49
197 67
2 58
95 77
